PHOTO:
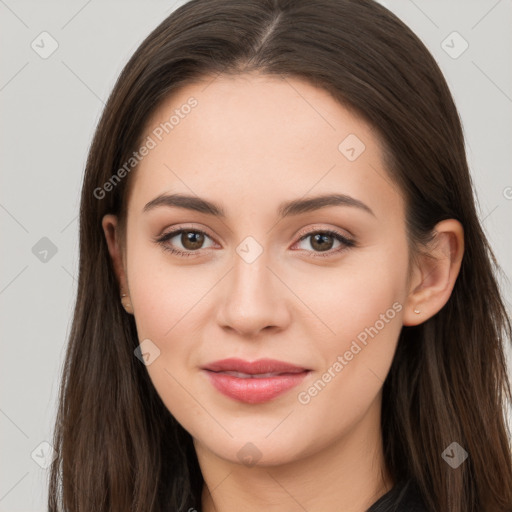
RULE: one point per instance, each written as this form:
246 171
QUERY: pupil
318 239
192 240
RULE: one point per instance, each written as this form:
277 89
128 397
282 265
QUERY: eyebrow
285 209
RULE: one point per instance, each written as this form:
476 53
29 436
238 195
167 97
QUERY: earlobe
435 273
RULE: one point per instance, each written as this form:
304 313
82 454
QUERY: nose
253 299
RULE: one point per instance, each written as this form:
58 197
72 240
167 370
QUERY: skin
252 142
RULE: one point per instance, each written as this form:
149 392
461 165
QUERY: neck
347 475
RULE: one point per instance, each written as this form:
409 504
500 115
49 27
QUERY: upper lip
253 367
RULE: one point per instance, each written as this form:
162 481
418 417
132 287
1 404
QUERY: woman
286 300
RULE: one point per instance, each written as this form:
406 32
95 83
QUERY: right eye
191 241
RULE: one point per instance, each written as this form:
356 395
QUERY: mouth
241 375
256 382
259 367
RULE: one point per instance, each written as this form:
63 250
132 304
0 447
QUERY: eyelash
347 243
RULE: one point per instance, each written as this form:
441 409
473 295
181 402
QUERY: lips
254 382
259 367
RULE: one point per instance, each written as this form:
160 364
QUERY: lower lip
254 391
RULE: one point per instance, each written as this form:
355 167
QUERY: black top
403 497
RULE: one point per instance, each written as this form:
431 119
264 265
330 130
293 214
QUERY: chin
253 447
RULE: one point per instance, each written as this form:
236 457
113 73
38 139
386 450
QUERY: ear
110 228
435 272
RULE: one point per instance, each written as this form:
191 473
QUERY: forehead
259 136
276 112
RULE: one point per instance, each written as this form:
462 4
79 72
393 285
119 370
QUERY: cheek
163 294
362 304
347 299
169 303
163 297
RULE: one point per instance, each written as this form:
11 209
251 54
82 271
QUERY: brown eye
323 242
192 240
184 242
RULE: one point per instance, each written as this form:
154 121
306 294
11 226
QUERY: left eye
192 240
322 241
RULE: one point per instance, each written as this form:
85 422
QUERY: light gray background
50 108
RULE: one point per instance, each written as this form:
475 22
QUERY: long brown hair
119 448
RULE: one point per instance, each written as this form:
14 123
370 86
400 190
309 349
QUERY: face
320 285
